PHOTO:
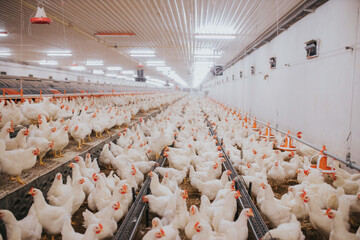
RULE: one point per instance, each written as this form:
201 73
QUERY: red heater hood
40 17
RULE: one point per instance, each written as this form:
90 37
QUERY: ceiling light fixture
78 68
65 53
163 69
141 55
5 53
94 63
207 56
128 72
114 34
114 68
97 71
110 75
48 62
215 36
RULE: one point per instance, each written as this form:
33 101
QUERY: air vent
272 62
312 49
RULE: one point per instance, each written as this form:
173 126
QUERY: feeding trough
254 126
266 133
322 163
286 143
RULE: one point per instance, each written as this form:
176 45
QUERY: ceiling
167 29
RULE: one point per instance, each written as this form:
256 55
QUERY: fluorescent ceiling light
77 68
207 56
114 68
207 51
163 68
3 34
94 63
65 53
48 62
114 34
155 63
142 55
215 36
97 71
156 83
110 75
128 72
5 53
120 76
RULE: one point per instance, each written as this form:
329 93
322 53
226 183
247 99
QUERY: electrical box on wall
312 48
272 62
252 70
241 74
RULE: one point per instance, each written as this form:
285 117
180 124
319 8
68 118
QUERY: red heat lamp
40 17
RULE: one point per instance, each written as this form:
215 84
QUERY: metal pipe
348 163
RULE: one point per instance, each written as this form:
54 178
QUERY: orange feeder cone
254 126
267 133
287 143
322 163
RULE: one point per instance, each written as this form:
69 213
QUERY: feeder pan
267 133
254 126
40 17
288 143
322 164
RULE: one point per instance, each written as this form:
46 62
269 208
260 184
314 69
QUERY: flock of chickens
52 132
327 200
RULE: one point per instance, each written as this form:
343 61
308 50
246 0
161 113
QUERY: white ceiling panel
168 28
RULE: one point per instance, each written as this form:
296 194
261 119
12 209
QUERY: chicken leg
107 131
18 179
41 162
79 147
55 155
89 138
60 154
83 142
100 136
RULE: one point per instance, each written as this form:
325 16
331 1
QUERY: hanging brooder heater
40 17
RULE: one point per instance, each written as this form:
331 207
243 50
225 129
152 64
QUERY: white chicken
51 218
15 161
61 140
27 228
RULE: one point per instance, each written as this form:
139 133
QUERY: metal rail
131 222
347 162
257 224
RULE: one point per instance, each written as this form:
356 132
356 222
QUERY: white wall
320 96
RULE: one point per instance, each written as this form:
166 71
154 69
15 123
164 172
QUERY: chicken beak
251 214
32 192
71 165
